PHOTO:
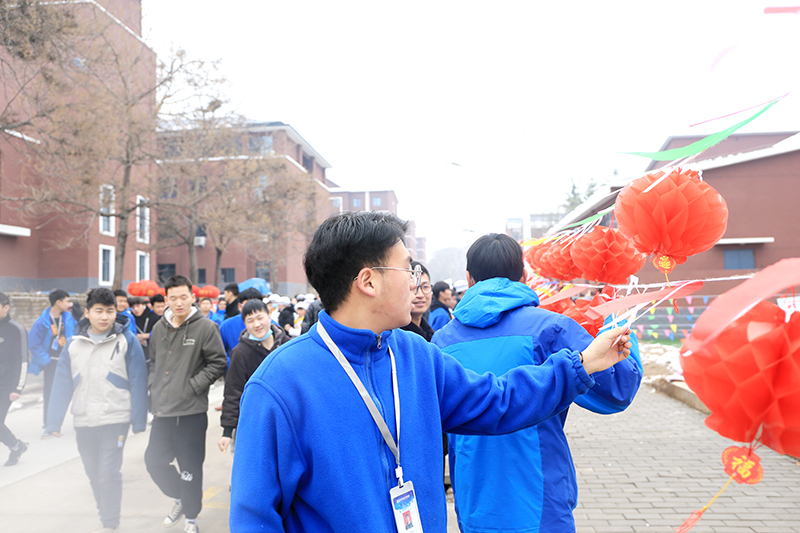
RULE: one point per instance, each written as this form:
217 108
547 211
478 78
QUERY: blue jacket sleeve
61 393
137 378
615 387
38 343
473 404
270 467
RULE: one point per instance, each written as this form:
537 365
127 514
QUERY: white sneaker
174 515
191 527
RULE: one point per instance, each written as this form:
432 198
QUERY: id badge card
405 509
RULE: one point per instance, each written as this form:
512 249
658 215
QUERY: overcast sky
474 112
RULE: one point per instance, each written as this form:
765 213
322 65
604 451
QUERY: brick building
30 258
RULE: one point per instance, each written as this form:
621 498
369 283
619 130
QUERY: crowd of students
314 389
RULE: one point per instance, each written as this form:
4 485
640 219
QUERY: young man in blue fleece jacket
497 327
309 452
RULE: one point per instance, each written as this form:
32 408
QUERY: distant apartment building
531 227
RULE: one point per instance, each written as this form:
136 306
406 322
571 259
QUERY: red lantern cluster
606 256
145 287
558 259
749 377
208 291
672 216
580 311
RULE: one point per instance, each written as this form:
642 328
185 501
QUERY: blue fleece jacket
524 481
40 338
230 330
309 457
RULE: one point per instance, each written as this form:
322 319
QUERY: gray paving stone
648 468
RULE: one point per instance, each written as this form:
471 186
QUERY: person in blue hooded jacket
498 327
46 338
309 452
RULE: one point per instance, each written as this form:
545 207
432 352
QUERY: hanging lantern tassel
743 465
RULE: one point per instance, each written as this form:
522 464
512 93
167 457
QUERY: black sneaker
13 457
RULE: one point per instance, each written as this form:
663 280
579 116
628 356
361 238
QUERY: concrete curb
681 392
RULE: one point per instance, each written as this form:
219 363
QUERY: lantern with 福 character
671 215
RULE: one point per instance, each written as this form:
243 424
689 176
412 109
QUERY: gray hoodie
185 362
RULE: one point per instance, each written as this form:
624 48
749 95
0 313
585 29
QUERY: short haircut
414 264
439 287
343 245
100 296
206 298
157 298
178 281
232 288
252 307
120 292
250 294
57 295
495 255
4 300
136 300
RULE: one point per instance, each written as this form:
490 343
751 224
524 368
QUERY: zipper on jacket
387 468
379 340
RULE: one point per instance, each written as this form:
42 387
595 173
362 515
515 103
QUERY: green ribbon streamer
703 144
592 218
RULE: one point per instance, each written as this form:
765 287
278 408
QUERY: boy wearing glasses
187 357
321 445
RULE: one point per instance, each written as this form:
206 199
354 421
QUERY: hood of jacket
485 302
194 315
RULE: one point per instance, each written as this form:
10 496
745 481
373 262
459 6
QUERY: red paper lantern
543 264
135 288
150 288
559 259
210 291
162 291
671 218
605 255
581 313
749 377
195 290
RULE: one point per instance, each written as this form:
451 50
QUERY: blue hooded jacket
309 457
40 338
524 481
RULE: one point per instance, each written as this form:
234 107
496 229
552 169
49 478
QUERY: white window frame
142 212
139 255
111 220
100 280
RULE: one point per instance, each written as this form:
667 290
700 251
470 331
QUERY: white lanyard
373 409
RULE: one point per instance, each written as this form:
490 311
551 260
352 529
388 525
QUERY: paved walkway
647 468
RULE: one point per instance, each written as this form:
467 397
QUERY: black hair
100 296
439 287
252 307
4 300
206 298
157 298
250 294
77 311
178 281
57 295
135 300
414 264
232 288
120 292
343 245
495 255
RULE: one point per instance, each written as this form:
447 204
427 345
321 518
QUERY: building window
201 276
337 202
356 202
308 163
376 202
105 275
264 271
165 271
228 275
142 265
107 207
261 144
142 220
740 259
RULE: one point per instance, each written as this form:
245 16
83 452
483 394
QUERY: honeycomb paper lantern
559 259
671 218
606 256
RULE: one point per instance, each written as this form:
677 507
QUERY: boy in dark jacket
187 358
255 344
102 369
13 366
